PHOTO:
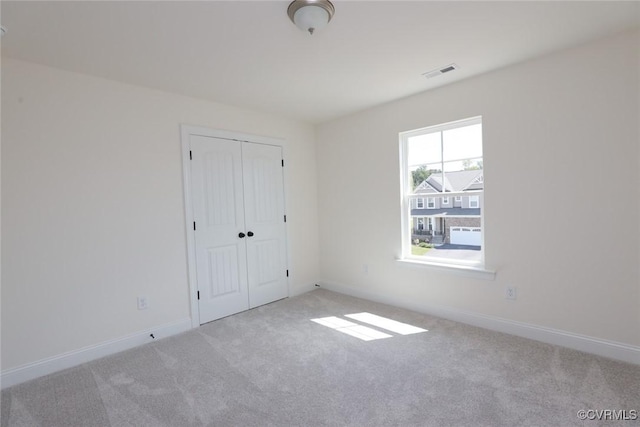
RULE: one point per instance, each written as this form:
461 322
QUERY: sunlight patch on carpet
359 331
384 323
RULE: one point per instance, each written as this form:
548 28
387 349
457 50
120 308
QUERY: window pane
445 160
463 143
424 149
461 165
448 232
419 174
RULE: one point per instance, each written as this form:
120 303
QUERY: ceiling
248 54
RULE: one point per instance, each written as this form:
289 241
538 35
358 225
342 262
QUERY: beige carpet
274 366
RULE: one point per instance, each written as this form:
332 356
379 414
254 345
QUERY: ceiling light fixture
310 15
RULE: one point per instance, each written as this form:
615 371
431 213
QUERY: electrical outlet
143 303
510 292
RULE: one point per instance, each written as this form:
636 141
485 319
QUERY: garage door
466 236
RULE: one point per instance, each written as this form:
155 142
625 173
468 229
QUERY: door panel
223 274
268 262
264 217
219 191
218 205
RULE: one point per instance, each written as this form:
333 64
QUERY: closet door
237 191
265 223
219 227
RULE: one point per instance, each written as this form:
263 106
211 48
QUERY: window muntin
445 161
420 203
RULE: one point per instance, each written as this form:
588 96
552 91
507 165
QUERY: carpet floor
274 366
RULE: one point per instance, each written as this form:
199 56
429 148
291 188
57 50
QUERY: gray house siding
455 213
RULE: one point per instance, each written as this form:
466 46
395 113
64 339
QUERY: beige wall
566 122
93 211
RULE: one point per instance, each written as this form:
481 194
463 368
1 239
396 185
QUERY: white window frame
472 269
458 198
476 200
445 200
420 203
431 202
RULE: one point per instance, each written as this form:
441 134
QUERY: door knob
241 235
250 234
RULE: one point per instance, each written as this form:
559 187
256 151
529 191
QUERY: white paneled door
239 225
265 223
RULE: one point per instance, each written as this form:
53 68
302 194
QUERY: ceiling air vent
440 71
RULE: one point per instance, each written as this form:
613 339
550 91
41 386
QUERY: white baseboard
299 290
613 350
57 363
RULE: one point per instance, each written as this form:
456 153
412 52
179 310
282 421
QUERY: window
420 203
446 159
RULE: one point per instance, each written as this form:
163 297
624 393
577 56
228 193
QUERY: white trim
405 205
186 131
285 178
445 200
432 200
600 347
299 290
476 199
440 215
481 206
70 359
467 270
225 134
443 127
420 201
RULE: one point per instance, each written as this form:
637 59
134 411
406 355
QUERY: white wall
93 215
561 141
93 211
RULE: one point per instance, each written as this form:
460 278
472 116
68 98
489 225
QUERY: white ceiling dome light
310 15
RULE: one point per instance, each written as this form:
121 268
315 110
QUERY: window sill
459 269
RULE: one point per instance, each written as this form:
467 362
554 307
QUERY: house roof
453 181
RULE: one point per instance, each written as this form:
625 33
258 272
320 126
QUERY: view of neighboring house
438 218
